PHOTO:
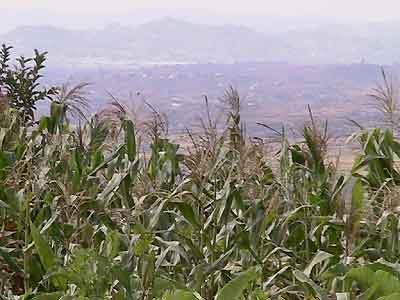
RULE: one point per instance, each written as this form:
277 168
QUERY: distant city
173 63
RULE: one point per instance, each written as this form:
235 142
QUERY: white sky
358 9
251 13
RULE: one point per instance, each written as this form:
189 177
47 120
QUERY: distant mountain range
170 40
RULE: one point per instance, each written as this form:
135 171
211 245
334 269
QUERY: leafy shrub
21 83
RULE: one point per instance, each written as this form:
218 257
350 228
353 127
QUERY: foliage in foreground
85 215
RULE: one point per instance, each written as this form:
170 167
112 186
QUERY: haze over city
174 51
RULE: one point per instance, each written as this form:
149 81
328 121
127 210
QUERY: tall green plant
21 84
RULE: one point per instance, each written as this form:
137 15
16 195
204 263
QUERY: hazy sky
369 9
83 12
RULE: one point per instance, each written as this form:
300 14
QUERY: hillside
170 40
165 40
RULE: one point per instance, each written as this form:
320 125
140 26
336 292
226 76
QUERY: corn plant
113 209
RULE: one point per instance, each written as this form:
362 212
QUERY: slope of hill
376 43
165 40
169 40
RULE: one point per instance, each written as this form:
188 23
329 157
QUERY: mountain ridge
171 40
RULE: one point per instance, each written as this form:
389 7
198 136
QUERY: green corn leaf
106 161
9 260
130 139
300 276
395 296
357 204
188 213
364 277
234 288
385 283
181 295
46 255
49 296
